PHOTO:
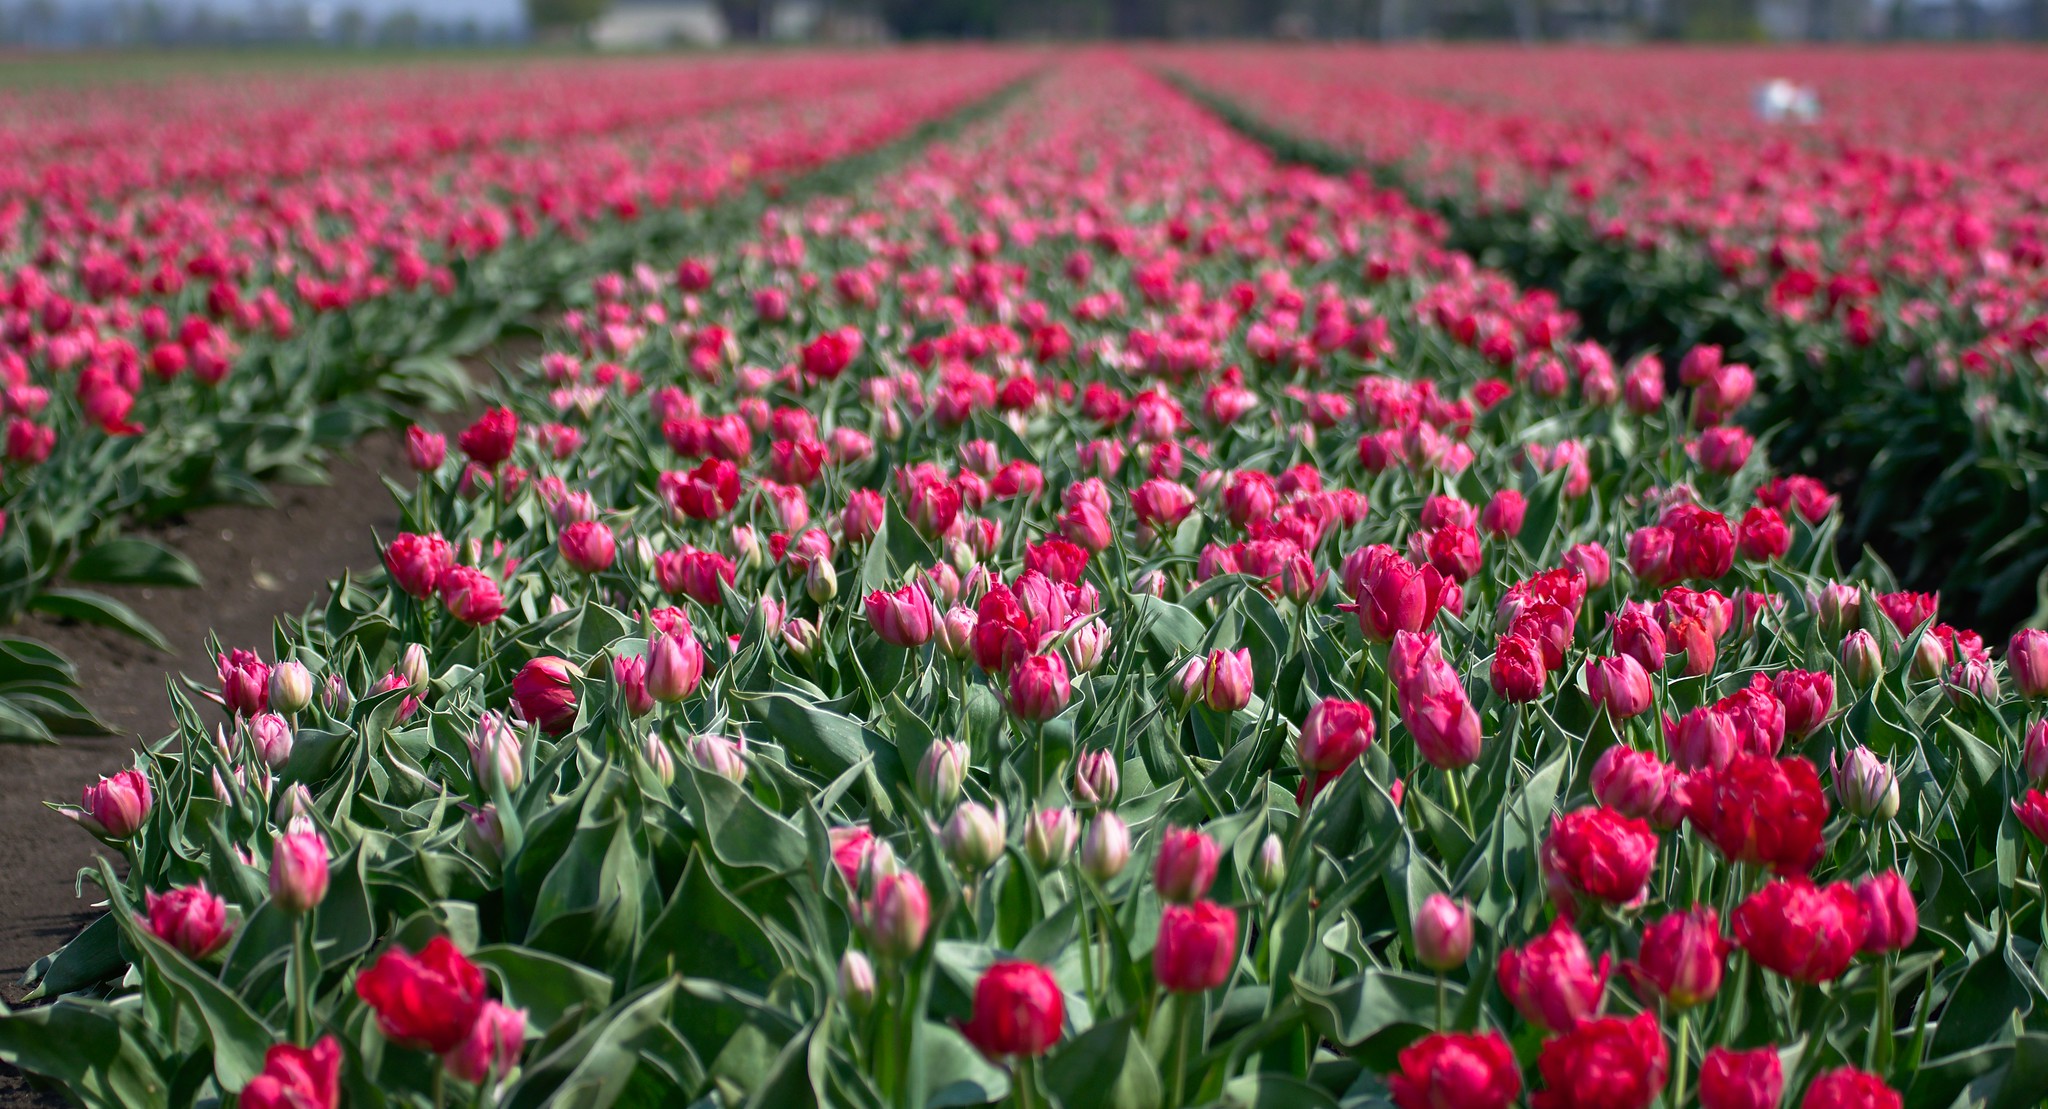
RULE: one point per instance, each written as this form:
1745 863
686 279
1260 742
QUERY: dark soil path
259 563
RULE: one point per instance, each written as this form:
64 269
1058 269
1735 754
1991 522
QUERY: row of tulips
177 328
1882 268
1078 622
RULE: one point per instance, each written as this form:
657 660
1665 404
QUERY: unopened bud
942 772
974 837
1106 848
1269 866
291 687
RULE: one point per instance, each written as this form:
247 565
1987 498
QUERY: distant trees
564 15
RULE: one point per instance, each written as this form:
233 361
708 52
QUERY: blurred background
669 24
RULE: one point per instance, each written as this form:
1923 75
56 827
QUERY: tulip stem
1443 1004
1026 1095
302 1025
1680 1059
1877 1054
1183 1008
440 1083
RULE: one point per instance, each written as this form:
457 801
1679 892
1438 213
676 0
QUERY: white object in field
1779 101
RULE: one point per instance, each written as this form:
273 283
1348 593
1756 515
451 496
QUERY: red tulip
1638 635
428 1001
1502 517
1763 535
589 546
1186 864
298 871
1393 594
898 913
1197 946
2026 660
1443 933
116 806
1518 672
1681 958
1551 981
545 691
416 562
1333 735
493 1047
471 596
1805 932
1762 810
1631 782
190 918
489 441
1741 1079
425 449
1702 545
1018 1011
1808 697
1449 1070
296 1078
244 683
1598 853
1039 688
1849 1088
1619 685
1890 918
904 617
2031 811
1610 1063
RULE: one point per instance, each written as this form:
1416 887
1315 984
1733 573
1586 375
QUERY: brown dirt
260 563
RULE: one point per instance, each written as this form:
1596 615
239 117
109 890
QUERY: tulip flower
545 692
904 617
1197 947
116 806
1443 933
857 981
296 1078
942 771
1619 685
1612 1063
494 1045
1050 836
1186 864
1890 918
429 1001
1598 854
291 687
1096 777
1761 810
1019 1011
298 871
1551 980
1741 1079
1805 932
190 918
1039 688
1849 1088
1462 1070
1333 735
589 547
1105 847
973 837
1682 958
897 915
244 683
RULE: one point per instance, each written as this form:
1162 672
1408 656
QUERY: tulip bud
337 697
857 981
1049 837
801 638
1862 658
955 633
1087 646
1186 864
1269 866
2034 755
1930 657
1106 849
675 667
1443 933
298 871
412 666
271 738
942 772
294 802
974 837
291 687
2026 660
1095 778
660 759
897 916
1840 606
1229 680
821 581
482 833
720 756
115 807
496 754
1866 786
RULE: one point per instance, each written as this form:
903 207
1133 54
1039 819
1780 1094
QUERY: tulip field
1238 576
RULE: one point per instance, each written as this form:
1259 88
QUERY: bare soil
260 563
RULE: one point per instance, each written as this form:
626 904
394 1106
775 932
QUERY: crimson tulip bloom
1741 1079
115 806
545 692
1805 932
904 617
1449 1070
416 562
1039 688
296 1078
1443 932
493 1047
1682 958
1333 735
1600 854
1517 673
1890 918
490 440
1551 980
471 596
1849 1088
1018 1011
1197 947
589 546
1186 865
1619 685
1761 810
1610 1063
429 1001
192 919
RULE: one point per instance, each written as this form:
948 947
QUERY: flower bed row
1077 621
176 330
1882 267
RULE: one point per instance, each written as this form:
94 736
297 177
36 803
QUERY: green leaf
92 956
1354 1009
1106 1066
239 1037
956 1073
85 1046
131 561
741 831
544 985
97 608
1273 1091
